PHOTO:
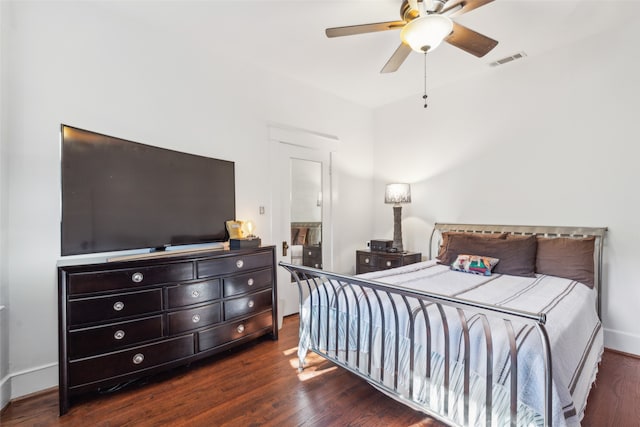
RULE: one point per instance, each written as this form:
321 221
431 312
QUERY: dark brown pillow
447 234
517 256
568 258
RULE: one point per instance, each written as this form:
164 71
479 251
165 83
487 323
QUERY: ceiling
288 37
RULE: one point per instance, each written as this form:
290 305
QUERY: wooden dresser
367 261
123 320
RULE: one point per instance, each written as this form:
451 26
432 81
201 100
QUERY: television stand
128 319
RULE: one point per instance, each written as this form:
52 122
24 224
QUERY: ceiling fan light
427 32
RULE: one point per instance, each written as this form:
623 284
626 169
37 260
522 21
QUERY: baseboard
5 392
33 380
623 342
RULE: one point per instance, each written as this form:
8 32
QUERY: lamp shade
427 32
397 193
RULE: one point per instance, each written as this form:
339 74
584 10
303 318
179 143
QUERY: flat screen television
120 195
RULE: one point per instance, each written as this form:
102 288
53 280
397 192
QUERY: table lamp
397 194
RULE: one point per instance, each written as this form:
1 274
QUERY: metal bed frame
315 283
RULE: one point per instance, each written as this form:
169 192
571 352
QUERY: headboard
526 230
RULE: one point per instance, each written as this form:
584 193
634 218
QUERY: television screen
119 195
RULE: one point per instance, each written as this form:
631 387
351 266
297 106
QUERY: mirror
306 213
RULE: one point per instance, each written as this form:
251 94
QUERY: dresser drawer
384 262
185 320
123 362
312 256
102 339
119 306
193 293
366 260
244 306
98 281
250 282
224 334
234 264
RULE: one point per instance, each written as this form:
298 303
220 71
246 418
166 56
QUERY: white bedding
573 327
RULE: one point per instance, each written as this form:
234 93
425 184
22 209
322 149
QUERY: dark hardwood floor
259 385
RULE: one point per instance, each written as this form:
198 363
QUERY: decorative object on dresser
245 240
397 194
123 320
245 243
368 261
244 237
381 245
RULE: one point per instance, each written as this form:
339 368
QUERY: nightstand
367 260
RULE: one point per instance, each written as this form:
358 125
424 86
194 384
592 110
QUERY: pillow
567 257
447 234
517 256
475 264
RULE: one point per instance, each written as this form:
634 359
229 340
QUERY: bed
517 345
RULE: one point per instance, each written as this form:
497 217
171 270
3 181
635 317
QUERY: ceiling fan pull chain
425 80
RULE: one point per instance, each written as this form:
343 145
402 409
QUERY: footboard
457 360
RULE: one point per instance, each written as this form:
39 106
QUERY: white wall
547 140
5 383
87 65
5 390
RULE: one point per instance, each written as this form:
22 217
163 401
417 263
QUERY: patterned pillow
476 264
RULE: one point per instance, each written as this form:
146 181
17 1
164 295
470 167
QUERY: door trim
300 140
303 138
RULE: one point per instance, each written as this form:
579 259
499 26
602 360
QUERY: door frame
301 141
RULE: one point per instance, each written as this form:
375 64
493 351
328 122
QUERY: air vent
504 60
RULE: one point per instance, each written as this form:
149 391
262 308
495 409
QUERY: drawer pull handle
366 260
239 263
240 328
118 306
251 304
250 282
138 358
195 318
388 263
137 277
119 334
195 294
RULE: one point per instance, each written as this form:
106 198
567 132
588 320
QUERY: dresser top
154 257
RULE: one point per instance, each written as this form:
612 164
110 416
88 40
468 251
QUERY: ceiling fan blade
364 28
458 7
396 59
470 41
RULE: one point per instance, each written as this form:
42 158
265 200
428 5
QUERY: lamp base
397 228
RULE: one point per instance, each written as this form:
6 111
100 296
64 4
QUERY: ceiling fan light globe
427 32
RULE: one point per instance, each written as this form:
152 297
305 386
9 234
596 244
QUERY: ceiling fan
424 24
